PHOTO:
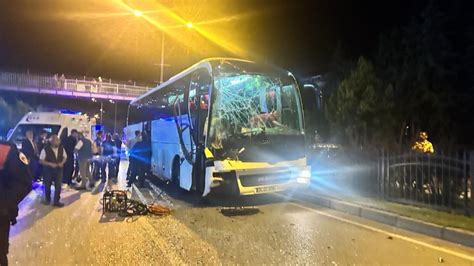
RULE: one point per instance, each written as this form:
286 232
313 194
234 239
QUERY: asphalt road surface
267 230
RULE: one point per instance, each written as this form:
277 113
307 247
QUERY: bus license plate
266 189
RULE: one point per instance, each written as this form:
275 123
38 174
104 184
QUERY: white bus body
263 163
53 123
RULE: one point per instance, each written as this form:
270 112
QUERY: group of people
59 161
110 152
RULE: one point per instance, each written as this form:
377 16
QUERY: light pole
162 55
115 114
101 109
189 25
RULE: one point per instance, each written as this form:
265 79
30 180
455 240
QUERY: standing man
135 140
30 150
53 157
84 154
15 184
42 140
69 143
132 167
118 146
97 164
108 152
40 143
423 145
142 156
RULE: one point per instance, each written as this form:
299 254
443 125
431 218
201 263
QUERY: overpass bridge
67 87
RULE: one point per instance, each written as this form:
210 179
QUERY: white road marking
378 230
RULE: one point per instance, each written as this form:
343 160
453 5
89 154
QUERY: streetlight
137 13
189 25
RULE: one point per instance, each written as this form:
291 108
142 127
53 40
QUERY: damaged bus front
256 132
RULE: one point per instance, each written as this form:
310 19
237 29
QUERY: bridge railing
23 80
444 180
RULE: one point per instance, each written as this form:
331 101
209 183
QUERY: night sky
101 38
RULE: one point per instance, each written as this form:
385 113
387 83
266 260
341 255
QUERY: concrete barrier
458 236
379 216
420 227
346 207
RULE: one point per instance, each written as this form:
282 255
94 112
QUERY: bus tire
175 172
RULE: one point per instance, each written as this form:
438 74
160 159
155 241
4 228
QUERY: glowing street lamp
137 13
189 25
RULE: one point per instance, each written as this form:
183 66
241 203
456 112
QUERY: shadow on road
240 211
219 199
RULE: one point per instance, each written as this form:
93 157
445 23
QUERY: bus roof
208 63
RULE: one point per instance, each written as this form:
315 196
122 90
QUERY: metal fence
75 87
444 180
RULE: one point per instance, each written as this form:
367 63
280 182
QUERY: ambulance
60 123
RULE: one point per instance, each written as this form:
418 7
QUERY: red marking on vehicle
4 150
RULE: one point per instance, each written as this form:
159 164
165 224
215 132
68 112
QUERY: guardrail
442 180
69 87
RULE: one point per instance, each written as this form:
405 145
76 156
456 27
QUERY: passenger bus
225 124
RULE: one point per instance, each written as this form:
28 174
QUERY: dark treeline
11 113
418 79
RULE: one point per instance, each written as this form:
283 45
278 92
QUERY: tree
360 108
5 111
11 114
421 64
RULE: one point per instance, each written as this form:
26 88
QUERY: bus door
198 106
183 126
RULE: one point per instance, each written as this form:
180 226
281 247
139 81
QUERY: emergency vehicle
60 123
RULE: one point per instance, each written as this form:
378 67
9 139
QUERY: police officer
15 184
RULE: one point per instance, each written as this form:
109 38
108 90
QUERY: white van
59 123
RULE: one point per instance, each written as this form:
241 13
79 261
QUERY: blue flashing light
69 112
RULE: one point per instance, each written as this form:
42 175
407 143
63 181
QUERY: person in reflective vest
15 184
422 145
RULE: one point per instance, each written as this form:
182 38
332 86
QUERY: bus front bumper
260 181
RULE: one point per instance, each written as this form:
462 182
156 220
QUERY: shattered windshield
248 104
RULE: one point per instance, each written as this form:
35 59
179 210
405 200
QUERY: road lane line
374 229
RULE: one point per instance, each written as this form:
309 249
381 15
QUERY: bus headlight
305 173
302 180
303 176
